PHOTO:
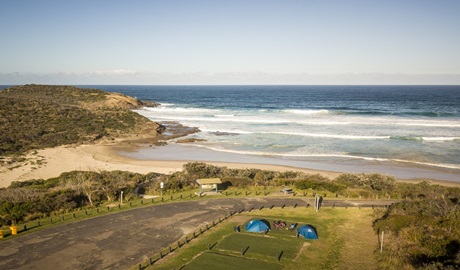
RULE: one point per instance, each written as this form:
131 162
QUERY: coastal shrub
199 170
356 193
237 182
377 182
318 185
421 233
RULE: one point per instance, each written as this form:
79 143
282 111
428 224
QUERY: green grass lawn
346 241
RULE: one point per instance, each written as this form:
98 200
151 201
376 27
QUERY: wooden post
381 242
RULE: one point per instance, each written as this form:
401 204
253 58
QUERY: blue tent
257 226
307 231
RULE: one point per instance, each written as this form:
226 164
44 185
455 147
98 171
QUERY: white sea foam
336 136
306 112
440 139
230 131
224 115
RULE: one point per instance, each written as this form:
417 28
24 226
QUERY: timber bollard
86 212
119 206
51 220
142 201
62 217
150 261
140 266
74 215
97 210
131 204
153 200
161 254
172 198
108 208
38 223
170 249
295 205
162 199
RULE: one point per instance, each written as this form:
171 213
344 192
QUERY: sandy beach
51 162
55 161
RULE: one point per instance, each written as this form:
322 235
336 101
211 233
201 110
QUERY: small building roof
209 181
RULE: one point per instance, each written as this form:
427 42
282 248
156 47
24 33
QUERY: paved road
123 239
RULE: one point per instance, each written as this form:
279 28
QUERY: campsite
345 241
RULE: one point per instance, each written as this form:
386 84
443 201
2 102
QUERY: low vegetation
40 116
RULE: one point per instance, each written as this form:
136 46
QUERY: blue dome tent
256 225
307 231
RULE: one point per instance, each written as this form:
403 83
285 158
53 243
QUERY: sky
157 42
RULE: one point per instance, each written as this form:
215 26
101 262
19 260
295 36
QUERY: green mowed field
346 241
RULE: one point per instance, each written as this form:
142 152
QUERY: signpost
121 197
162 185
316 202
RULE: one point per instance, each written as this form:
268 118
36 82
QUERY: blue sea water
418 125
354 128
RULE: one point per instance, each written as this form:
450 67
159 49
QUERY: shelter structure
307 231
209 184
256 225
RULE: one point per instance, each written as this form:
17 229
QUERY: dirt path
120 240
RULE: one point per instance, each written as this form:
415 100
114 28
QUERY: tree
85 183
17 203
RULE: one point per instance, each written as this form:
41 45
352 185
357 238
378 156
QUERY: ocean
412 125
366 127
